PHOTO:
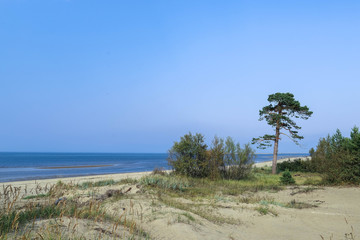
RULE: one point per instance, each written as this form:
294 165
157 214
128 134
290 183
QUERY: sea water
28 166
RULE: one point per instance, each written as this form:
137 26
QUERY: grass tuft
299 205
42 195
264 210
86 185
164 182
11 221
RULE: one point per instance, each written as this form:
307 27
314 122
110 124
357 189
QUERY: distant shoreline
74 180
269 163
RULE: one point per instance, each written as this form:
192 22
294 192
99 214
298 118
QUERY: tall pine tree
278 114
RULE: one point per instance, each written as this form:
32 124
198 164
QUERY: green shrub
216 158
296 165
238 161
286 178
225 159
338 158
188 156
229 160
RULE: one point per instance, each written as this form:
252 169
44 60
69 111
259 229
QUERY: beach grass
124 207
204 188
41 195
86 185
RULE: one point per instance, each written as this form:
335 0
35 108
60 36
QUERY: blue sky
134 76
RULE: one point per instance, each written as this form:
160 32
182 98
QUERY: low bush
188 156
297 165
286 178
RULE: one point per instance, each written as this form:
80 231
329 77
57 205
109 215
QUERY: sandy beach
74 180
328 212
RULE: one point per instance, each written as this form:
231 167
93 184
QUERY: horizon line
127 152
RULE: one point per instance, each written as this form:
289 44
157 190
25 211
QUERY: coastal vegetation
225 159
336 157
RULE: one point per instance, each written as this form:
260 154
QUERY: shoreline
114 176
28 184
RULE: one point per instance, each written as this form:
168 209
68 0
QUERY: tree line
336 157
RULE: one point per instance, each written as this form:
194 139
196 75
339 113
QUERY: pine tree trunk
276 147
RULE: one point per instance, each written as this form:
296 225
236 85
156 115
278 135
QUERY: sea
15 166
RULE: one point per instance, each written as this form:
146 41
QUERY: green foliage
312 152
286 178
296 165
238 161
278 114
216 158
225 159
263 210
338 157
188 156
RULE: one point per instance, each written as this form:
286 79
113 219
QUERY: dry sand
336 212
30 184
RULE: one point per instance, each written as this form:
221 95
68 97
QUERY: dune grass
194 188
41 195
20 211
194 199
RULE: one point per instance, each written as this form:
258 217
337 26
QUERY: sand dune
329 212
